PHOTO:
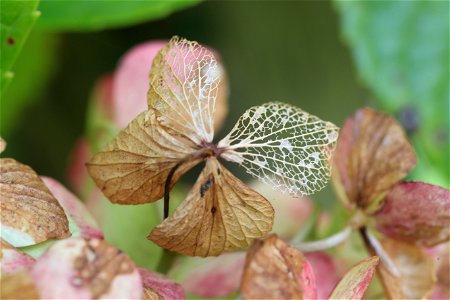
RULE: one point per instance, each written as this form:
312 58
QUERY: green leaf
16 20
38 57
401 52
97 15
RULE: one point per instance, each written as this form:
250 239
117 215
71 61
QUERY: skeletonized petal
30 214
416 272
86 269
184 84
356 280
284 146
275 270
372 155
219 214
416 212
133 168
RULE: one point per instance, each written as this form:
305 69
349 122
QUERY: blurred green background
329 58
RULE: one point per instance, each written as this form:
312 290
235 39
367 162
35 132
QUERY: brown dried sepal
273 270
133 168
19 285
416 272
30 214
372 154
219 214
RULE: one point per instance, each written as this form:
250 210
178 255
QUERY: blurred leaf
16 20
97 15
401 52
32 69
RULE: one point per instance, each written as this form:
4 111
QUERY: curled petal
416 212
372 154
30 214
275 270
219 214
86 269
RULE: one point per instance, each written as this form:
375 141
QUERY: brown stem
200 154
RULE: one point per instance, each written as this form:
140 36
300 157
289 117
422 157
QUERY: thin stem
375 248
326 243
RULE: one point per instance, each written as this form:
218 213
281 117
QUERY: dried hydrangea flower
275 142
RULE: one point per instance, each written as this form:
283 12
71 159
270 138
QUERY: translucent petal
284 146
184 83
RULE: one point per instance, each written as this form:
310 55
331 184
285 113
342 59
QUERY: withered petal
220 214
30 214
12 260
157 286
416 212
133 168
372 154
275 270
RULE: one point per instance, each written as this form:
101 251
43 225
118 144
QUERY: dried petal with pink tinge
76 210
416 212
86 269
416 271
356 280
157 286
12 260
441 255
372 155
275 270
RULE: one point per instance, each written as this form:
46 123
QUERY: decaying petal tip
372 154
275 270
219 214
30 214
157 286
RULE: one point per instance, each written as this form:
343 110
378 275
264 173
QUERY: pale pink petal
416 212
131 82
308 281
13 260
214 276
76 268
325 271
76 210
163 286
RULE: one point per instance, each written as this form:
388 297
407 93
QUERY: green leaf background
401 51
